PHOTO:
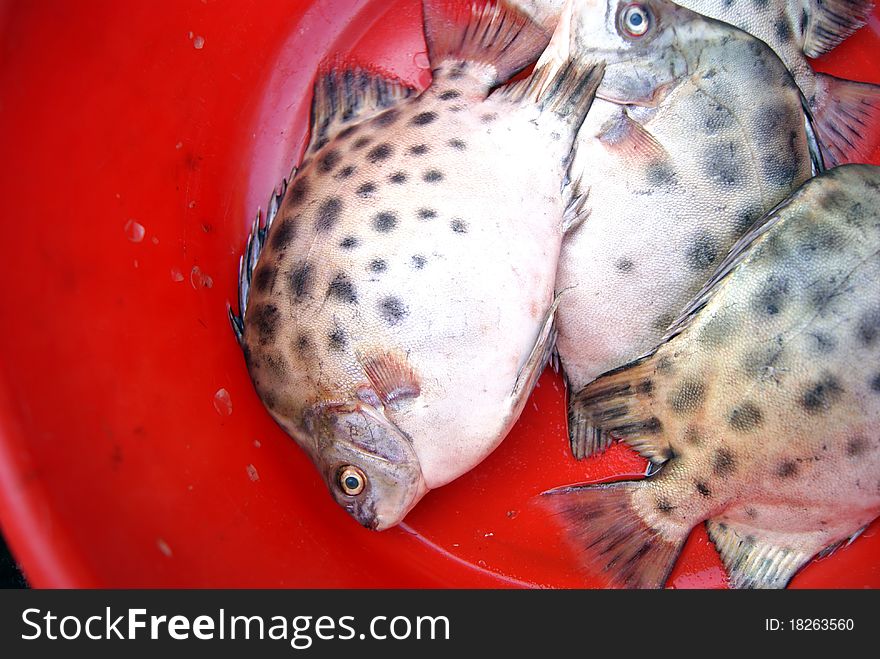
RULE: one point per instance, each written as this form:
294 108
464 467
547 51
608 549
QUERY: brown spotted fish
847 113
763 405
401 308
681 153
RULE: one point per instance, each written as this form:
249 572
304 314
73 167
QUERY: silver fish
396 319
762 404
679 156
847 113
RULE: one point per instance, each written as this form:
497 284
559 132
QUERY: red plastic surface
116 469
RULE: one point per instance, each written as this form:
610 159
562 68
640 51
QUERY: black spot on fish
301 281
458 145
457 71
822 395
337 340
265 318
687 398
450 94
427 213
418 261
703 489
489 117
432 176
385 221
665 366
746 418
378 265
303 344
624 265
783 30
387 118
821 343
875 384
664 506
856 446
345 172
392 310
746 219
662 322
349 242
723 463
328 214
868 328
283 233
787 469
342 289
805 20
379 153
397 177
773 295
721 163
694 436
646 387
298 190
782 167
366 189
418 150
458 226
702 252
348 131
661 174
424 118
361 142
717 117
327 163
718 328
265 278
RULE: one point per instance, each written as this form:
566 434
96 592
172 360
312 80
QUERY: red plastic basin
116 468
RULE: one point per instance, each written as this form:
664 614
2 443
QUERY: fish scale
762 405
396 320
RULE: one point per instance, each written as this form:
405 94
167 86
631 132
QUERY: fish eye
635 20
352 480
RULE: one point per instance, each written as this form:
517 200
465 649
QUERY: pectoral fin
541 353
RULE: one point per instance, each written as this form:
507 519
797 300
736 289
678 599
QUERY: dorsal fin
487 32
345 94
829 22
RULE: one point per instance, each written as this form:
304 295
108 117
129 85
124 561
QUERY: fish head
647 45
368 463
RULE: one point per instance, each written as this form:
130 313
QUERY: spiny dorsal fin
345 94
610 536
487 32
752 562
619 402
391 377
248 261
831 21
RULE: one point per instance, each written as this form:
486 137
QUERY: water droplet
192 204
136 264
176 275
199 279
252 473
178 146
134 231
199 42
223 402
488 535
163 547
154 240
511 514
257 443
421 60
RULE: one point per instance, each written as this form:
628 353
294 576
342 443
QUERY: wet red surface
116 467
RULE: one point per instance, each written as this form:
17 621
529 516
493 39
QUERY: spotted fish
401 306
847 113
681 153
762 405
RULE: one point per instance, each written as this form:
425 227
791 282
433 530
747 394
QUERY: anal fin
752 562
847 120
603 526
619 403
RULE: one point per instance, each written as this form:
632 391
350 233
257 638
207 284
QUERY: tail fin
832 22
489 32
619 402
602 524
848 120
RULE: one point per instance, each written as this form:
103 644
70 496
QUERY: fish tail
605 528
619 403
832 22
488 32
848 121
